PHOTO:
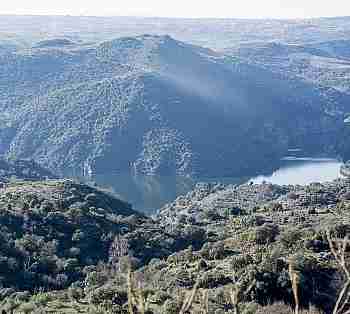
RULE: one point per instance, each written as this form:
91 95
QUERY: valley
149 193
174 166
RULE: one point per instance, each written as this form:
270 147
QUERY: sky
181 8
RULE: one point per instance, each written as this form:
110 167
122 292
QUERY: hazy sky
181 8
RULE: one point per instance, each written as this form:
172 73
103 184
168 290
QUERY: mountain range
198 98
218 34
154 105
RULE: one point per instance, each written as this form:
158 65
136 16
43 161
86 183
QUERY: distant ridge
212 33
54 43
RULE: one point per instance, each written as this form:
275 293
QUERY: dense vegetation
154 105
324 64
72 248
52 230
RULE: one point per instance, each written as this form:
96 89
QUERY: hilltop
155 105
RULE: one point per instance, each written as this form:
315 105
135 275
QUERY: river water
148 193
303 171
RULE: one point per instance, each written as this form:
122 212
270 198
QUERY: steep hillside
324 64
154 105
52 231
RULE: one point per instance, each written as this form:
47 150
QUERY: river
148 193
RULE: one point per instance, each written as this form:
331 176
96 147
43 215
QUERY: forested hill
155 105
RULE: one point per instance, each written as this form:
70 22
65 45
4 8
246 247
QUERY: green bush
291 237
266 233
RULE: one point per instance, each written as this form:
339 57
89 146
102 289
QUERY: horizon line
172 17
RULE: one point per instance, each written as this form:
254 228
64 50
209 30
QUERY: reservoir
303 171
149 193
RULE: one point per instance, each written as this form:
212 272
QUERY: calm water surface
148 193
303 171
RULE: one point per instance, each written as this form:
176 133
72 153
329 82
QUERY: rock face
154 105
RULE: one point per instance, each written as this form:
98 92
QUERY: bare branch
338 248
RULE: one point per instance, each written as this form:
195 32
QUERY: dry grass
294 276
281 308
136 297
